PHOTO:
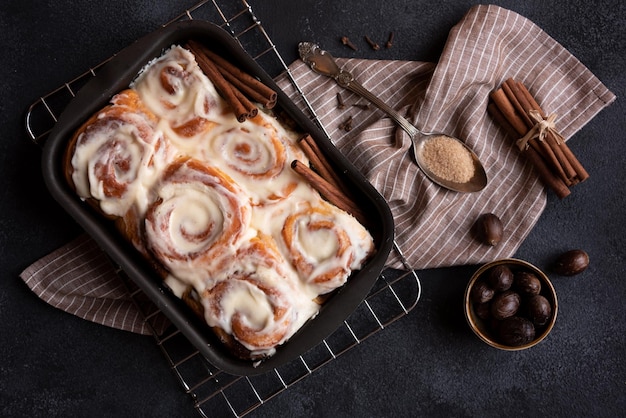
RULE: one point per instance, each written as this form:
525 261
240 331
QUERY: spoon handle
346 80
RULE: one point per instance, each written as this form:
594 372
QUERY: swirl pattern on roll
258 302
324 246
199 217
254 153
117 155
176 90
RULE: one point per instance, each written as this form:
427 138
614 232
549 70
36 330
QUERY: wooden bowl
485 329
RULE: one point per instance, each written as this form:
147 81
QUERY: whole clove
346 125
340 103
389 42
347 42
371 43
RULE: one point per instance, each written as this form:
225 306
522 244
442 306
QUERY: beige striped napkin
79 278
487 46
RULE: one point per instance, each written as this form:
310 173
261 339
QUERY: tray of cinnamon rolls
214 193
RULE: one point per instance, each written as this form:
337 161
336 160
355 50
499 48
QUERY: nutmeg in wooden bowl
511 323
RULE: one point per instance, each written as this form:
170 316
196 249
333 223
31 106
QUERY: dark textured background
428 363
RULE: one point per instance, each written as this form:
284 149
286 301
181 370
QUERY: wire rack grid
214 392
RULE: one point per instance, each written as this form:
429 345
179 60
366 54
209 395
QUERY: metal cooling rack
214 392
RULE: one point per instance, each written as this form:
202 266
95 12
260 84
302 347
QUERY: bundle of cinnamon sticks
240 90
323 178
514 107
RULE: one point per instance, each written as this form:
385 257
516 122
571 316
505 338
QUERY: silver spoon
323 63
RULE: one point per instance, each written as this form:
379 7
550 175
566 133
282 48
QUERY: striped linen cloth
79 278
487 46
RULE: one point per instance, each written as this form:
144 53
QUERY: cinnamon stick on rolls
328 190
238 88
243 81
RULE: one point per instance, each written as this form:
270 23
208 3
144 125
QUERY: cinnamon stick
504 109
574 163
521 105
241 106
248 90
251 109
321 165
330 192
548 147
500 119
514 105
508 111
555 145
512 115
556 184
249 85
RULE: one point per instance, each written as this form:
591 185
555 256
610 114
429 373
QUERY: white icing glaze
118 160
318 245
176 90
200 218
325 245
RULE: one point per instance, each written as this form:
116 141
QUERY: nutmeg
488 229
505 304
526 283
516 331
539 310
481 292
571 263
500 277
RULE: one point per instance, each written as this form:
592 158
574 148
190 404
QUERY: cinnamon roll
176 90
255 153
199 217
116 156
325 245
258 303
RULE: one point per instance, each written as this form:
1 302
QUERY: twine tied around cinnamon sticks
540 130
514 107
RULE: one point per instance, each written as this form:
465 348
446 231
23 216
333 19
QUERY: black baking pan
115 76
